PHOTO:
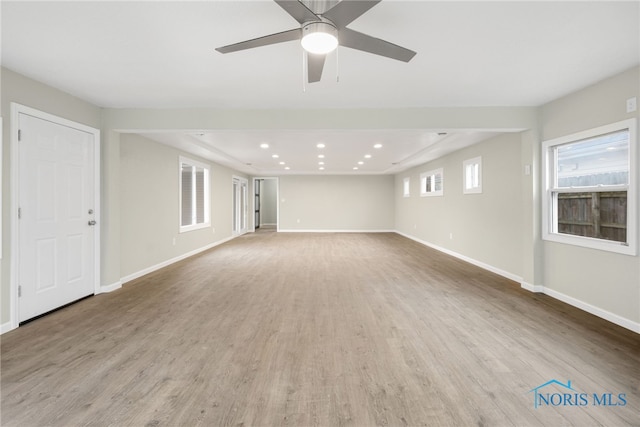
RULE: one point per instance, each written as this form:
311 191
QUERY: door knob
92 222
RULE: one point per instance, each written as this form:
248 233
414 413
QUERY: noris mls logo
555 393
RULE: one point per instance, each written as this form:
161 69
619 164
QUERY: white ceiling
155 54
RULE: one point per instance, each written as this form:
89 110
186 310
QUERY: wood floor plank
316 330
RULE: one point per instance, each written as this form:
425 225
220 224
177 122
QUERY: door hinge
19 213
19 134
19 291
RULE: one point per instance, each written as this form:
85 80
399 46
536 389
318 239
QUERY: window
432 183
194 195
590 183
406 188
472 179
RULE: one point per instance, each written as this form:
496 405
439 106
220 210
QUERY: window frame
182 160
551 190
477 189
423 183
406 187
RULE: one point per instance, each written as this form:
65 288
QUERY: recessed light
264 145
377 146
355 168
287 168
321 156
321 163
321 145
321 168
275 156
361 163
367 156
282 163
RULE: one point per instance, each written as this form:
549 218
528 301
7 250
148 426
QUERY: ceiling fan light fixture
319 38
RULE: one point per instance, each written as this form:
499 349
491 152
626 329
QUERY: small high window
406 187
472 179
432 183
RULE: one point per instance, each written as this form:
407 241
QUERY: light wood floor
316 329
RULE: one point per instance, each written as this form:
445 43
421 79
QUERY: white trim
241 180
253 201
168 262
6 327
548 232
475 262
267 224
16 110
470 162
110 288
406 186
596 311
532 288
292 230
207 194
423 183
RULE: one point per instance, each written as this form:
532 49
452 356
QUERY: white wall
345 203
484 227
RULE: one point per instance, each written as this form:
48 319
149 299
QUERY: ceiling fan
321 33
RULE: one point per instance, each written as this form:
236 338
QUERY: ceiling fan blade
285 36
298 11
315 64
360 41
348 11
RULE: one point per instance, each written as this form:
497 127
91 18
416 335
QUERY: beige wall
602 279
332 202
149 205
269 201
22 90
500 227
485 227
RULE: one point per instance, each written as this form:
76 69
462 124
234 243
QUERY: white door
56 225
240 205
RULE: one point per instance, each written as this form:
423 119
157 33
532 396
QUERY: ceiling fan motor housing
319 37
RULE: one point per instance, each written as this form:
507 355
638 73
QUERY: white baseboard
110 288
592 309
268 224
5 327
291 230
532 288
596 311
475 262
168 262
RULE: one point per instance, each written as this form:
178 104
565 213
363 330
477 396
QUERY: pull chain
337 66
304 70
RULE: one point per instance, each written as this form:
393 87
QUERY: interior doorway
265 204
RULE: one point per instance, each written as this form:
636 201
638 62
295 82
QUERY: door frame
16 110
241 180
277 180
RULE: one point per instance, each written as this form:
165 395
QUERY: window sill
588 242
187 228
